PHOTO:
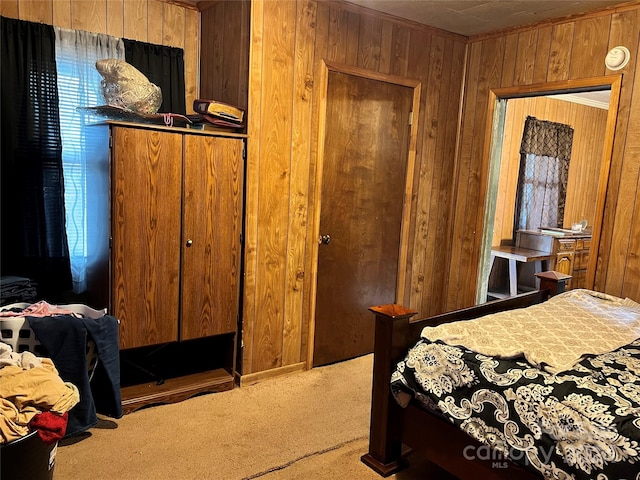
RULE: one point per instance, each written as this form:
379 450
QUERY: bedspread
583 423
554 335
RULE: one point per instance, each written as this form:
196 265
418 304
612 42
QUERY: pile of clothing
63 333
16 289
33 397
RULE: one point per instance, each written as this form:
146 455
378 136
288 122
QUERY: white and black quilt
582 423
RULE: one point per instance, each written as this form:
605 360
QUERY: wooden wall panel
400 50
584 170
212 54
493 72
136 17
155 21
294 345
510 52
173 25
589 125
527 48
462 170
421 66
542 55
225 57
192 57
590 44
143 20
625 30
250 311
351 45
9 8
337 37
276 316
36 11
560 52
321 49
625 191
115 18
577 48
274 173
93 19
369 42
446 188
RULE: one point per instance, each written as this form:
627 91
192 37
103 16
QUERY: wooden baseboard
251 378
175 389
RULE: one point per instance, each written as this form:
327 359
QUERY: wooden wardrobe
175 258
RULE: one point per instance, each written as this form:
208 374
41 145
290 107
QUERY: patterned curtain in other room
545 152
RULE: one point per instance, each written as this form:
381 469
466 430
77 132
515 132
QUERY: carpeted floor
343 463
307 425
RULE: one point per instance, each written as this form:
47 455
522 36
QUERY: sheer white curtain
84 149
540 193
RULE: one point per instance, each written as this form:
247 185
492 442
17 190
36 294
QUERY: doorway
366 167
587 176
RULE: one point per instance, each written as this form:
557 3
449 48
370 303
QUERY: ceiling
597 99
474 17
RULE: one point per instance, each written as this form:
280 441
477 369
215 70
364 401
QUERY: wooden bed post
555 282
385 446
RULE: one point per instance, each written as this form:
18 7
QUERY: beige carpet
308 425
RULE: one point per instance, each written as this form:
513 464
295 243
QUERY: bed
475 430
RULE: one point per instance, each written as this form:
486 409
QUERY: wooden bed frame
393 427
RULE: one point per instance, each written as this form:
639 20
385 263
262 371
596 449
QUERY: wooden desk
569 252
514 255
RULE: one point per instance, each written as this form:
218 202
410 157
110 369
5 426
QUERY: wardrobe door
145 221
211 229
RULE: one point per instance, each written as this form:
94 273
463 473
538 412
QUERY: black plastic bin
27 458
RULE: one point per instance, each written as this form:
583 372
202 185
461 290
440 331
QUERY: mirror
590 107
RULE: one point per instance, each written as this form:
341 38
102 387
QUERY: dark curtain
163 66
545 152
34 241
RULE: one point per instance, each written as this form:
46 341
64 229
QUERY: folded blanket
554 335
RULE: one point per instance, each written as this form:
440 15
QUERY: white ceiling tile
473 17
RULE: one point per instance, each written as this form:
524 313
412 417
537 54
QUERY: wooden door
211 229
145 228
363 183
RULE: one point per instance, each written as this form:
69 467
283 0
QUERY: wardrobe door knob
189 242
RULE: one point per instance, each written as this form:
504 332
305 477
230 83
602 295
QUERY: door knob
324 239
189 242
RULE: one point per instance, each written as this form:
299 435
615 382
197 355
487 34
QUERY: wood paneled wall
567 50
162 22
589 125
224 60
289 42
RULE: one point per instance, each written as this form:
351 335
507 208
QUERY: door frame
496 112
328 67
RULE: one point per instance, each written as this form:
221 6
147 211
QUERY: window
84 153
544 169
